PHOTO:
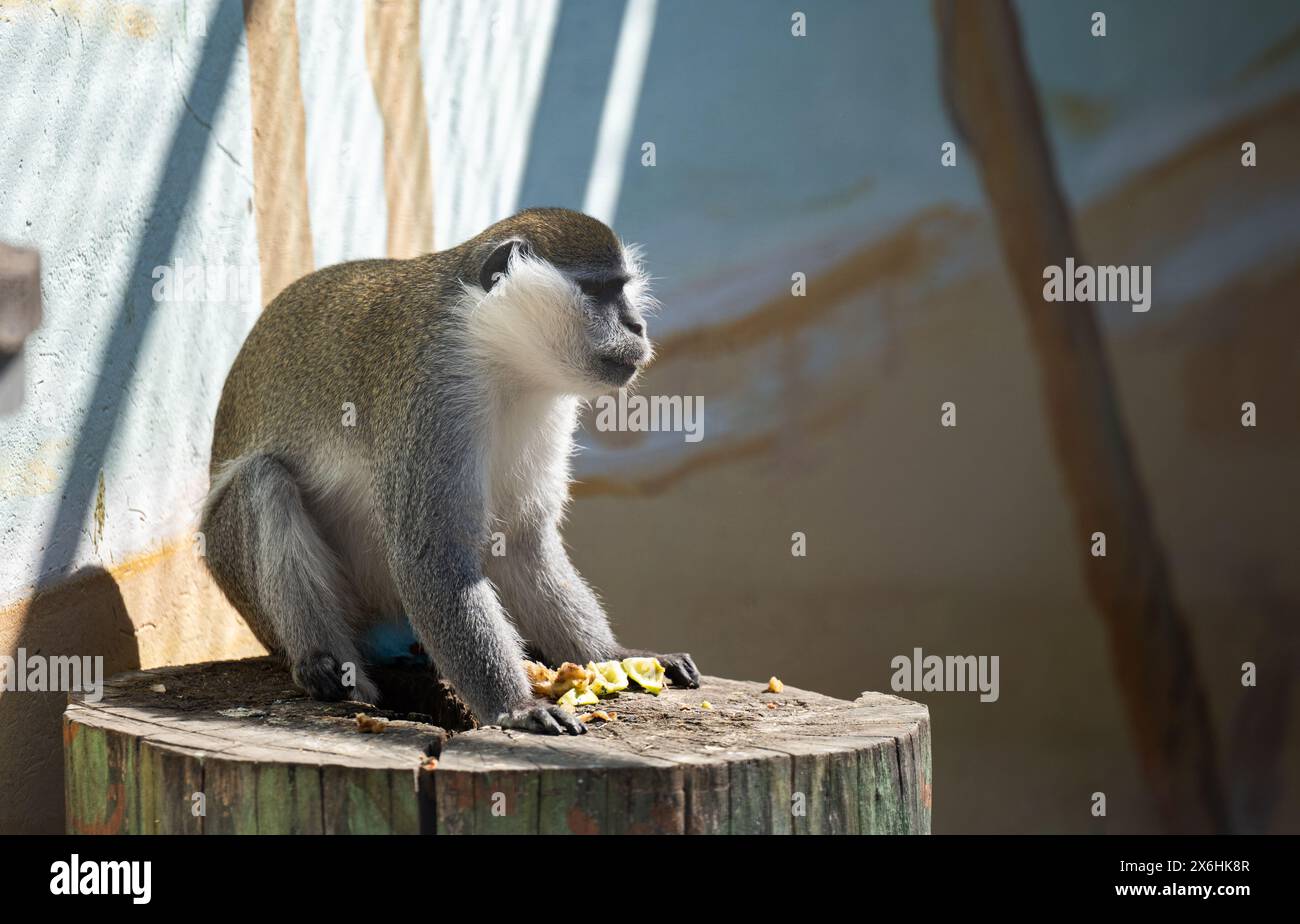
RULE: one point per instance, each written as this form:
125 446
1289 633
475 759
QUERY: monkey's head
559 302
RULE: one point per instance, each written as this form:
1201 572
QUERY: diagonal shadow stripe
568 113
117 364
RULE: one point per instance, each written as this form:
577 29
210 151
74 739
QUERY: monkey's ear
495 265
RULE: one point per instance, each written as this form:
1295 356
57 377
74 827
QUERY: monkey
385 417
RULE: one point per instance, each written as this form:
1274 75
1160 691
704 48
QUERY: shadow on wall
117 365
564 135
85 614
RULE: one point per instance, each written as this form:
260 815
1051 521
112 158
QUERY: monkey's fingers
681 669
570 721
544 720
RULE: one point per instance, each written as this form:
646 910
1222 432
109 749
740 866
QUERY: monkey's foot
323 678
679 668
543 718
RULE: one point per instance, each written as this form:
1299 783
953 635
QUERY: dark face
615 325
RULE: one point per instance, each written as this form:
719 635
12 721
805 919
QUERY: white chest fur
527 459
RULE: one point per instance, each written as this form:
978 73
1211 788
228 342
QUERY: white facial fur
531 326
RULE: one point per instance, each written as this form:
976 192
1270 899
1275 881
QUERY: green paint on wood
168 781
507 802
289 799
572 801
231 790
404 793
761 795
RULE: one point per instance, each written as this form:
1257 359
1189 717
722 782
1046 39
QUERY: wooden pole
990 93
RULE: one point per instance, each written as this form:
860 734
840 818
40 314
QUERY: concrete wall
279 138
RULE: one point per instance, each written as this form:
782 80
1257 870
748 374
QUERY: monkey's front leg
559 612
433 525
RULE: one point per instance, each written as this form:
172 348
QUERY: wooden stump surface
259 756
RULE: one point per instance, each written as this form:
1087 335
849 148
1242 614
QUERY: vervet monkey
385 417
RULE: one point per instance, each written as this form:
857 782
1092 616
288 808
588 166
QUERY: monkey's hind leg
268 556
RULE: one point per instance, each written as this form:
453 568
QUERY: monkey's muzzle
616 370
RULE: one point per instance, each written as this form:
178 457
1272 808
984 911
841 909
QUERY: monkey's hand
543 717
679 668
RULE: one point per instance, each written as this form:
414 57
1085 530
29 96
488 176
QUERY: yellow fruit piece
600 715
540 678
706 705
571 676
775 685
610 677
568 701
586 697
647 672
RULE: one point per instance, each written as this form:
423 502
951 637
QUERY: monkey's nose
635 325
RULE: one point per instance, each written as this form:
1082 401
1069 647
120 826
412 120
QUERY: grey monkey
385 417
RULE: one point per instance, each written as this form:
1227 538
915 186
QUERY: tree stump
234 747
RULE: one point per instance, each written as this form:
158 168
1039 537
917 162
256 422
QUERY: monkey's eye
603 290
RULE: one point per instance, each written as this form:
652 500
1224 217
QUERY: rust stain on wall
393 58
902 256
36 475
832 414
1275 55
1149 184
128 19
1225 356
279 144
165 557
132 20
